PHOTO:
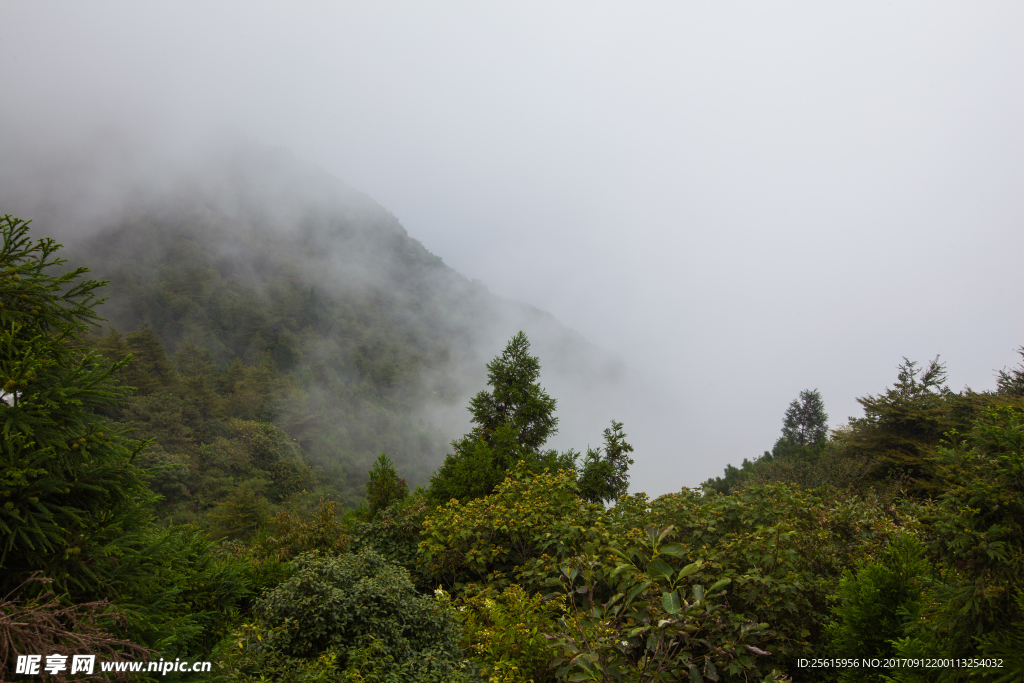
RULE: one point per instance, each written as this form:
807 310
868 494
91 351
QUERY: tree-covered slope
253 257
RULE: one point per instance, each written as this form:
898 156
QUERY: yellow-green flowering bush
507 633
488 540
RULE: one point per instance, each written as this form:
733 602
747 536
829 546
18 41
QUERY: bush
293 535
506 633
342 604
528 518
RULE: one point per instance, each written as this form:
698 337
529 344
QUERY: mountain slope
249 254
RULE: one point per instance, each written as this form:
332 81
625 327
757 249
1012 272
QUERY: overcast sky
742 200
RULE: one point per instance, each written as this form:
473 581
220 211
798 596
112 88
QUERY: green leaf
670 601
695 675
709 669
721 583
636 591
659 569
698 592
621 568
691 568
620 553
674 549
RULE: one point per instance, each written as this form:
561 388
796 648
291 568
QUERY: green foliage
645 620
806 423
73 506
188 596
340 604
875 605
471 471
545 581
293 536
783 550
606 477
377 663
513 421
507 633
801 446
243 513
385 487
902 428
277 331
1011 382
976 532
486 540
895 446
395 533
1007 644
516 398
244 658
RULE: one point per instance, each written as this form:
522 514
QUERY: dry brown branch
42 625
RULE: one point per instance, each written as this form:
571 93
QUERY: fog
738 201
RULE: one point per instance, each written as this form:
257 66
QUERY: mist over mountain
251 254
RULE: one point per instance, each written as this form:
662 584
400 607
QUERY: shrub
293 535
529 517
505 633
341 604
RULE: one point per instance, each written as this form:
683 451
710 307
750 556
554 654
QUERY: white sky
743 200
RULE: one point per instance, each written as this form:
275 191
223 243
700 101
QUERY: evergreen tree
605 477
804 435
901 428
806 423
513 421
385 487
1011 382
71 503
516 399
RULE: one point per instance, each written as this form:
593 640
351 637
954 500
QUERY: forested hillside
302 303
226 469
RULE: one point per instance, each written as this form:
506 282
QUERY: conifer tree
384 487
513 421
605 477
1011 382
806 423
902 428
516 398
71 503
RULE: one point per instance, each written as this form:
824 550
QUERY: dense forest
228 461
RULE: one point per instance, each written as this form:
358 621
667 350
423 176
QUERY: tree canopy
806 423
